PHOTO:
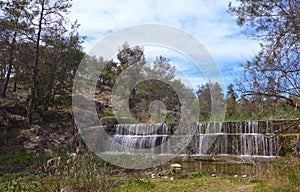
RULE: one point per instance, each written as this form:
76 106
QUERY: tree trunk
31 105
15 81
11 59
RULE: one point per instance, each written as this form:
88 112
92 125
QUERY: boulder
22 138
14 108
16 121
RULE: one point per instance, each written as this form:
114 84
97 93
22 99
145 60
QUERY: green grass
15 158
61 169
293 178
198 174
107 113
203 183
94 182
71 173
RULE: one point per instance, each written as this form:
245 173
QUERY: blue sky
207 21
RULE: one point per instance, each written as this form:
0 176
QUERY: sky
205 20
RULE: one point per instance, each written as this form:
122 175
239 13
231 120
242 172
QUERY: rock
22 138
172 178
14 108
3 137
36 130
9 120
176 165
108 121
3 119
126 120
213 175
50 116
235 176
152 176
16 121
244 176
52 125
37 119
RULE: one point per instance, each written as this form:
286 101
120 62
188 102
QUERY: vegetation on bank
61 170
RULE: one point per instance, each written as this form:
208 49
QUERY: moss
28 133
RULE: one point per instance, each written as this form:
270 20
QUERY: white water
211 138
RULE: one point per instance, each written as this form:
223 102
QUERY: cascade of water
211 138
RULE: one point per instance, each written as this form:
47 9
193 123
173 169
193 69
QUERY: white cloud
207 21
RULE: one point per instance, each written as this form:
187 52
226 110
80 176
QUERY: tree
211 101
231 102
109 74
12 26
61 56
160 87
275 71
45 17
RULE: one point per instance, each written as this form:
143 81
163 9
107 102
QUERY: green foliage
273 74
231 103
198 174
107 113
59 151
21 183
16 158
211 102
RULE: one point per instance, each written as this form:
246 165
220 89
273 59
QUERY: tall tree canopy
12 27
40 50
275 71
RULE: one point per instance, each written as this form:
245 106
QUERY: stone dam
268 138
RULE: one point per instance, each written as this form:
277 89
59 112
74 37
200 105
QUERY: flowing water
241 138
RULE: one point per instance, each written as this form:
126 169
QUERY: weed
198 174
107 113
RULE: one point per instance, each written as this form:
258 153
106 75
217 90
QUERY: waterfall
242 138
237 138
139 136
